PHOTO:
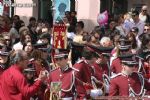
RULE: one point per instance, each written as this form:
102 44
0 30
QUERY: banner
61 6
1 9
59 36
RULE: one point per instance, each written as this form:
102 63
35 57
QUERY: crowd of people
111 60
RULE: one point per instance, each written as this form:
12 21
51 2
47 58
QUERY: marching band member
101 69
128 82
122 49
100 77
147 66
63 74
83 77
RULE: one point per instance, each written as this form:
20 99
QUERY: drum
96 93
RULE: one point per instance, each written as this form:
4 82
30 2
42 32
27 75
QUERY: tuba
96 92
106 81
104 89
142 92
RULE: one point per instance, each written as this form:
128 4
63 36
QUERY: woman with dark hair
19 24
132 39
116 38
28 48
146 41
24 38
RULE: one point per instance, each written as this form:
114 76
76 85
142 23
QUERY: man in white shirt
144 15
136 22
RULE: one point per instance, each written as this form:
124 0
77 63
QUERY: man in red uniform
13 85
63 74
101 68
147 67
128 82
122 49
83 77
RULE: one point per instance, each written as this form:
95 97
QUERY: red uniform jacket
99 71
147 70
116 66
84 75
67 78
119 84
14 85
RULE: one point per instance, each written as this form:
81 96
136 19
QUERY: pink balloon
102 18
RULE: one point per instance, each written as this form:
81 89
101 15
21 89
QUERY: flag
59 36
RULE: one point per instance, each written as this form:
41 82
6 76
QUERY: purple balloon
102 18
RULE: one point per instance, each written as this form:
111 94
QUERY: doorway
114 7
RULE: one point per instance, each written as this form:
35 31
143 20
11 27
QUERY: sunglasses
144 10
133 15
146 29
7 39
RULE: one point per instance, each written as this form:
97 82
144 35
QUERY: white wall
26 12
87 11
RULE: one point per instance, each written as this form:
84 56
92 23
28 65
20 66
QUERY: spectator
15 19
105 42
28 48
121 26
80 28
134 46
45 38
32 22
33 33
8 41
19 24
68 15
111 28
79 32
136 22
135 31
24 38
70 33
144 16
3 57
147 28
20 90
73 20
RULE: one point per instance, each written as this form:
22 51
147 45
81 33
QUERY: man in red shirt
13 85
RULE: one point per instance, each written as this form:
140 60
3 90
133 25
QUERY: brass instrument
142 92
